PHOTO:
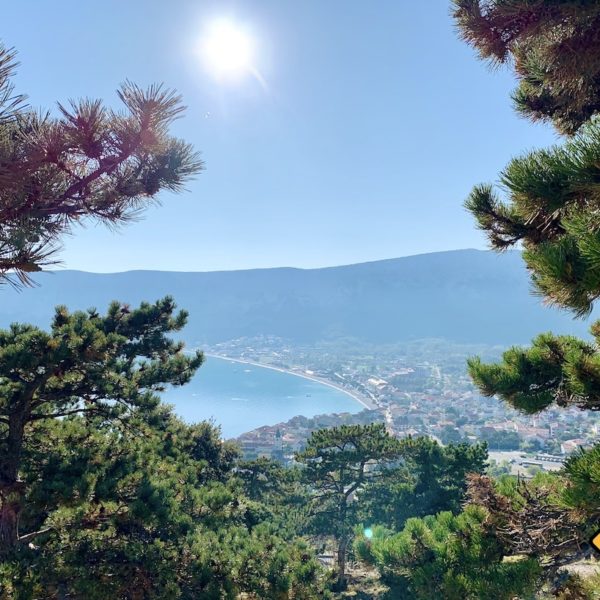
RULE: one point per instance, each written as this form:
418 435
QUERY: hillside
464 296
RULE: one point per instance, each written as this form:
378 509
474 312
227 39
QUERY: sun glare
227 49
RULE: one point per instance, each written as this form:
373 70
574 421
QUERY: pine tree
553 46
109 367
555 369
535 518
89 163
147 508
551 212
338 462
552 195
451 557
430 479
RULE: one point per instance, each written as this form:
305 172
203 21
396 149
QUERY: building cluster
418 388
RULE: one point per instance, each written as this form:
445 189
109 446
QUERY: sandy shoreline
362 401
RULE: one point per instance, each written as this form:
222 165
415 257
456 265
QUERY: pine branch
90 163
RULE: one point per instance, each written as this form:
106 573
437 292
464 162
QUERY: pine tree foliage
553 197
10 102
87 163
553 46
534 518
280 488
429 478
512 538
337 463
107 367
583 491
105 494
555 369
450 557
154 515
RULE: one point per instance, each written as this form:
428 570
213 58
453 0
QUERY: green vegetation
552 194
509 540
553 46
148 510
501 440
115 497
104 493
561 369
106 368
118 498
447 556
551 210
430 479
91 163
337 463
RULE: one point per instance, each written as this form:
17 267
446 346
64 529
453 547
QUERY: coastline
362 401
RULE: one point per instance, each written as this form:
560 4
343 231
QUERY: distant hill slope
464 296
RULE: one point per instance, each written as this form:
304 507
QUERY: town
419 388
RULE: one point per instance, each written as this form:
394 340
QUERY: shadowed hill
464 296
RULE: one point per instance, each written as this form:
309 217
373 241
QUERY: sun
227 49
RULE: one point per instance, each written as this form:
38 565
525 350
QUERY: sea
240 397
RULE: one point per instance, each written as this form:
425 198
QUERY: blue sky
374 123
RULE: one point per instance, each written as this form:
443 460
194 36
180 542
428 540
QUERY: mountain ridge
461 295
281 268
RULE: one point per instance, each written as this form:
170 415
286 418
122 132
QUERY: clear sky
371 124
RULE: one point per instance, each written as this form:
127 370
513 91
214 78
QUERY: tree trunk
341 563
12 491
11 503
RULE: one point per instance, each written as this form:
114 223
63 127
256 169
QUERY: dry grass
363 584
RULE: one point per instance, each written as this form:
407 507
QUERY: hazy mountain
465 295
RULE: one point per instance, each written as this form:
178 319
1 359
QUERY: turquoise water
241 397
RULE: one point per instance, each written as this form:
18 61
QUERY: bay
240 397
